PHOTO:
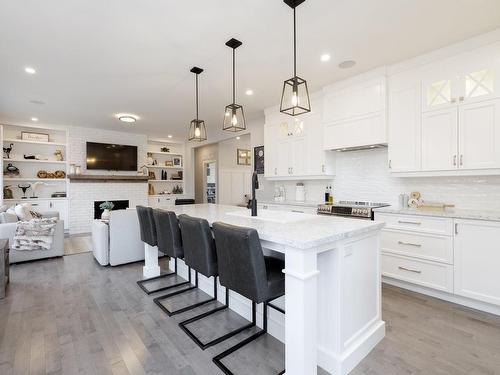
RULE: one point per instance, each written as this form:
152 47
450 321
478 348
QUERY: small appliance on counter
353 209
300 192
279 193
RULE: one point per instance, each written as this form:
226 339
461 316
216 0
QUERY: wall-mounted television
111 157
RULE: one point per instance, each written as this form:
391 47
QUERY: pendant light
234 118
295 97
197 130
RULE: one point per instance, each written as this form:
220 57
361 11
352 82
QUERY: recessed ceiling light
125 117
249 92
347 64
325 57
169 136
34 119
238 138
30 70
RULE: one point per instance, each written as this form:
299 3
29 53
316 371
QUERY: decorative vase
78 169
106 214
72 169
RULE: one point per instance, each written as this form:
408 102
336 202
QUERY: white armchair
117 242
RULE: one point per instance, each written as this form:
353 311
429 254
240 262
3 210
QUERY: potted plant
106 207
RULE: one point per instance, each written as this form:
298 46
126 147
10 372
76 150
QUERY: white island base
333 287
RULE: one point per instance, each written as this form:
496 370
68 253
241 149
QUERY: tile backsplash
364 175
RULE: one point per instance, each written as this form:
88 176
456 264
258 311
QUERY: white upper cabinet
294 147
459 116
404 114
354 113
439 140
479 135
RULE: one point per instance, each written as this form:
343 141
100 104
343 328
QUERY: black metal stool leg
142 283
217 340
218 358
158 300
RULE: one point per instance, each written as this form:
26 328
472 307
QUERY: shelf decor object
234 117
295 97
36 137
197 129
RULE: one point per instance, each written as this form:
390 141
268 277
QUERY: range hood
359 148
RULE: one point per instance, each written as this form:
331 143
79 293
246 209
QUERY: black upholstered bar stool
200 254
149 235
244 269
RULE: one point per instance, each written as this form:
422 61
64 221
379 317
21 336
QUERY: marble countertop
290 202
306 231
448 212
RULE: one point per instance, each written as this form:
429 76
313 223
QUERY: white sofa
8 230
118 242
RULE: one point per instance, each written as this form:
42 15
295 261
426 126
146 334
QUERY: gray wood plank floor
71 316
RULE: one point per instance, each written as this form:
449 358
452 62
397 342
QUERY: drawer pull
409 222
409 269
409 244
300 212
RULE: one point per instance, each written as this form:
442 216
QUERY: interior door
440 140
479 135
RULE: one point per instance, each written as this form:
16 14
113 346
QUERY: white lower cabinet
289 208
162 201
477 260
456 256
48 205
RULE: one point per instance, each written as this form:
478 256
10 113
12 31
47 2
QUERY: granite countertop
292 203
447 212
305 231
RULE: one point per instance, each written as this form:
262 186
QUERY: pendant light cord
234 79
196 97
294 44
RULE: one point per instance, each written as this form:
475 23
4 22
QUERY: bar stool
244 269
149 235
200 254
176 245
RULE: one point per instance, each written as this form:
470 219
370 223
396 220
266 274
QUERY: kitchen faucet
252 203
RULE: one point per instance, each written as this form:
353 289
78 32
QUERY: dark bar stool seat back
244 269
160 228
199 245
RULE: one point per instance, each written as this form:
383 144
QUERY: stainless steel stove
355 209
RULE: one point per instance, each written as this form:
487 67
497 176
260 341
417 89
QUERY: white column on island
151 267
301 311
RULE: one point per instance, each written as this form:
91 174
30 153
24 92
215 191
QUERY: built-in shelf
163 167
33 161
105 178
7 140
32 179
165 153
166 180
163 195
35 199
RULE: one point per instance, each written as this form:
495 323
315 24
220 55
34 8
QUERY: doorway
209 181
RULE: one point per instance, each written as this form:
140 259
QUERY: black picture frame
258 157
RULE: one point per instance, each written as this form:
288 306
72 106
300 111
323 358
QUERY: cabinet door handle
461 98
291 170
34 204
454 159
453 100
461 159
390 164
456 228
323 168
409 269
298 211
275 170
409 222
409 244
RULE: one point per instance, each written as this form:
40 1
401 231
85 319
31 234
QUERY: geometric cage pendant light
234 117
295 97
197 130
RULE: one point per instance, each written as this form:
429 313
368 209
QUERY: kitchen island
333 287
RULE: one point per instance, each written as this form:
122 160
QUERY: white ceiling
96 58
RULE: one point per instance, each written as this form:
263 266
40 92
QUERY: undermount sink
274 216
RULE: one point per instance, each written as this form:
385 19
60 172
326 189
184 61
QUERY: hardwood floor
71 316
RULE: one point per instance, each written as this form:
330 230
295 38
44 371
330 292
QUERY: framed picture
177 161
243 157
258 159
169 163
35 137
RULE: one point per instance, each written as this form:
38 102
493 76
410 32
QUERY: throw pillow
36 214
3 208
23 211
11 210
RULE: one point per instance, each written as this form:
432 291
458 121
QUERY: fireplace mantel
106 178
